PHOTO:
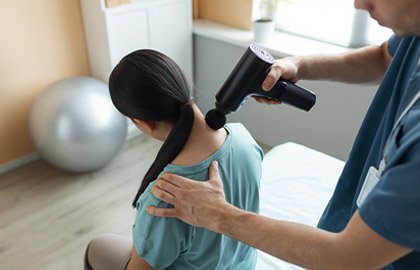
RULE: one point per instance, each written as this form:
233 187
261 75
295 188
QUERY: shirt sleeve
392 208
159 241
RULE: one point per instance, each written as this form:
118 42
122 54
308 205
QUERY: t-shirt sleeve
392 208
159 241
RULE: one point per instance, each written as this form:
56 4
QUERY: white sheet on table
296 185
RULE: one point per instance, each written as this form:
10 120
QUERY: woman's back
150 88
172 244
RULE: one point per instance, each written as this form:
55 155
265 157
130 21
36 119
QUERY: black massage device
246 79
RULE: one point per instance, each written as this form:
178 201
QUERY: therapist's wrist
225 219
302 67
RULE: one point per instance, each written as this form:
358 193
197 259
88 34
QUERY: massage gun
246 79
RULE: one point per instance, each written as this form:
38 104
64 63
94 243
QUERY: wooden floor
48 216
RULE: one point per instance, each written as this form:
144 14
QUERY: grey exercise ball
75 126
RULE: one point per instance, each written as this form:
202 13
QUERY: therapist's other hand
194 202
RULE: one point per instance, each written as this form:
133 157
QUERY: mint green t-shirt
168 243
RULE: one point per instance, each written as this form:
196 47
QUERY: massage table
296 185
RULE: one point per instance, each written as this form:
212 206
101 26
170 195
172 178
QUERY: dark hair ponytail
148 85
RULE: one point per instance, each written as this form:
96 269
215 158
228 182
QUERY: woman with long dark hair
149 88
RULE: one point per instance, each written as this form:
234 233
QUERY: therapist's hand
287 69
195 202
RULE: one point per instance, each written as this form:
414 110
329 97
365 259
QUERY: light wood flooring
47 216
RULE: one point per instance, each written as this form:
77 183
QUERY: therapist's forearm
365 65
356 247
296 243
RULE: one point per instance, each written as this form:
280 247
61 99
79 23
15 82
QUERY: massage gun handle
291 94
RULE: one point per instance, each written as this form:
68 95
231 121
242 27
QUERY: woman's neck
202 142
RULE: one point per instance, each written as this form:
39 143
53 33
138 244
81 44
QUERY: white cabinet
127 30
172 31
111 33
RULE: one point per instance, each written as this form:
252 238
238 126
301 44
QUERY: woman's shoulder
236 127
243 140
147 198
144 221
238 131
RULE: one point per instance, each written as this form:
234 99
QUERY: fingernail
166 176
264 86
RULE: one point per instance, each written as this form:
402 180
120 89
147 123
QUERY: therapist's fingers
266 100
167 186
272 77
163 195
175 179
162 212
285 68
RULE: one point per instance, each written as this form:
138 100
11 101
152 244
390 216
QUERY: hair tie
185 106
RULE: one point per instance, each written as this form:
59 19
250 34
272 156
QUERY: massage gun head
244 79
215 119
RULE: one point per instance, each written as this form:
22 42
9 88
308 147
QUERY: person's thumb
272 77
214 179
214 172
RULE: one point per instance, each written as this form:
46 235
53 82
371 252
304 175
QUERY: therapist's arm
203 204
364 65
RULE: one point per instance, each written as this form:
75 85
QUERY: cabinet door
172 31
128 30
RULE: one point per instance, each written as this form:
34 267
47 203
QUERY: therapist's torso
391 209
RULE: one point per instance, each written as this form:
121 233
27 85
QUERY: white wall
330 126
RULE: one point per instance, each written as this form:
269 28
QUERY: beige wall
41 41
236 13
